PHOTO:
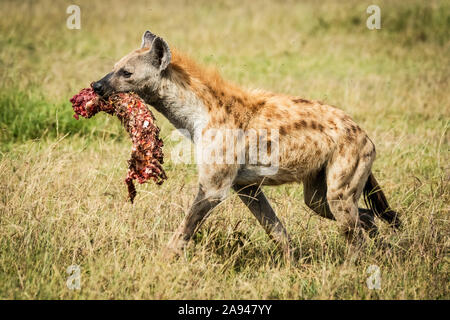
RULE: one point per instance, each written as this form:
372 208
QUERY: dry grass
62 197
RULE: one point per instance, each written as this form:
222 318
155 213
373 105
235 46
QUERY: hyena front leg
214 185
193 220
256 201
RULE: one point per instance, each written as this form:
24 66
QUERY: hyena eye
126 74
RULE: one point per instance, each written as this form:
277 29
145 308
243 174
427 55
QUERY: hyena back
318 144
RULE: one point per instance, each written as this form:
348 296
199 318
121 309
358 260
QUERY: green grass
29 116
62 196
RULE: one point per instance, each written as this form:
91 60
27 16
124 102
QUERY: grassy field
62 197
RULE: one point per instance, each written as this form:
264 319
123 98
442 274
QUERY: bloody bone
146 154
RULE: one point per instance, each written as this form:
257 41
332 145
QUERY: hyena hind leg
367 220
315 193
346 177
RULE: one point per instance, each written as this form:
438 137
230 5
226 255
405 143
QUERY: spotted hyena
318 144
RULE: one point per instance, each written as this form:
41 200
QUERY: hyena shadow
239 249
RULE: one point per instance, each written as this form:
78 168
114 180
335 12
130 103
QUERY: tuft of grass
62 197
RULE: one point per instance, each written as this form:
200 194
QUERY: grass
62 197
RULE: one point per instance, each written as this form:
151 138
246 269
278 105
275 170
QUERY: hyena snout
102 87
98 88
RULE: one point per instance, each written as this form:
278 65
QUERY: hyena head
139 71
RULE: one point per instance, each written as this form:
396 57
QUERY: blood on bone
146 158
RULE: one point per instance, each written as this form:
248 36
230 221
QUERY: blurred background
321 50
62 199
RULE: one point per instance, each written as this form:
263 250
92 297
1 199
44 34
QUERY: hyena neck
224 104
192 98
179 105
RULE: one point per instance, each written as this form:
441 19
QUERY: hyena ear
147 39
160 53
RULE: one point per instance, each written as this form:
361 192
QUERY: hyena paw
174 249
171 253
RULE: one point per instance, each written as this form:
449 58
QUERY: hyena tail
377 202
